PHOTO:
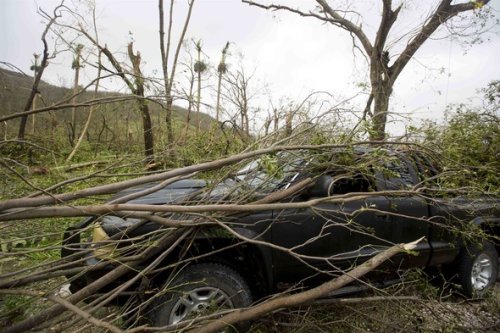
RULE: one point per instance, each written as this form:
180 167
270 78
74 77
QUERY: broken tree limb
92 288
134 209
114 187
305 296
71 307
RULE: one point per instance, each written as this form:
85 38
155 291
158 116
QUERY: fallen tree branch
71 307
74 211
343 301
305 296
114 187
113 275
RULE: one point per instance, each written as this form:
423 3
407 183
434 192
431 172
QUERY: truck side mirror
321 188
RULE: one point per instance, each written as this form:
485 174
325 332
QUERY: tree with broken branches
41 68
239 91
388 52
169 69
136 86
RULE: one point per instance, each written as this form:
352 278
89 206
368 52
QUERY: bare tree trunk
199 68
217 105
136 87
168 118
96 89
190 107
165 52
221 69
39 72
245 125
276 120
198 102
33 116
76 67
142 104
381 95
89 117
288 123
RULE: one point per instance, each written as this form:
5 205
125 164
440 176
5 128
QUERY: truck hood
180 192
172 193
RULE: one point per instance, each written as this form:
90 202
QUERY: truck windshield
269 173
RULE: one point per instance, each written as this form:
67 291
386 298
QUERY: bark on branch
443 13
95 210
306 296
92 288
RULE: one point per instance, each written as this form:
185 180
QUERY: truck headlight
99 235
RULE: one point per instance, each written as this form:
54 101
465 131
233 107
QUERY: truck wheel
478 269
199 290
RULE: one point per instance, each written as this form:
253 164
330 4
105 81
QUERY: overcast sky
293 55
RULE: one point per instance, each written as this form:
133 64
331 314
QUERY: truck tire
478 269
199 290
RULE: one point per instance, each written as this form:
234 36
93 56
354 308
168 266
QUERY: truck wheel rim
198 302
482 270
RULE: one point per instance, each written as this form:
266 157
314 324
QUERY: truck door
409 213
343 232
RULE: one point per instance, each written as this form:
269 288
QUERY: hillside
15 88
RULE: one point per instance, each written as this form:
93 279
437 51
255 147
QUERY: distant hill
15 88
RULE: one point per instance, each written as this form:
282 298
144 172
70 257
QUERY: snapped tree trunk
38 77
147 127
76 66
147 130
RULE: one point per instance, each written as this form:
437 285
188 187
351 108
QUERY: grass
427 315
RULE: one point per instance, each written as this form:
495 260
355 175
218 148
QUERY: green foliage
13 309
470 142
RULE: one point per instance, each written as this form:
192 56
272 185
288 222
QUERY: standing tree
199 67
96 88
385 66
169 74
142 103
76 65
221 70
239 93
188 93
35 68
136 86
39 69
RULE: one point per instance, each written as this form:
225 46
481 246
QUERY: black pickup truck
330 211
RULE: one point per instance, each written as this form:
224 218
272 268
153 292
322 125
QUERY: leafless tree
43 64
76 66
35 67
239 91
385 65
200 67
188 93
96 88
136 86
221 70
165 50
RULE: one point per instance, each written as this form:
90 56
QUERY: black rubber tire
469 257
196 277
